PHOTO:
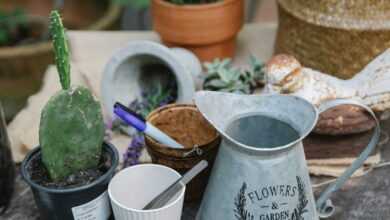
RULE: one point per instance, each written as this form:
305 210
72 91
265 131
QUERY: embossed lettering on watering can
260 172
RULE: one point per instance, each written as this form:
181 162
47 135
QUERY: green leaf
221 76
225 75
61 51
216 83
225 63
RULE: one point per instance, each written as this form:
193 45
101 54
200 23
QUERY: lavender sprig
131 157
150 100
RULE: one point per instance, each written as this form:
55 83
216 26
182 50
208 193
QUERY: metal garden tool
260 171
164 197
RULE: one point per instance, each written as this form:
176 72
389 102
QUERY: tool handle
164 197
324 204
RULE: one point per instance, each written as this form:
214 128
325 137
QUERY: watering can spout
220 109
210 105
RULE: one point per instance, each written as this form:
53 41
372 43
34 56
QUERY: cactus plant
221 76
71 130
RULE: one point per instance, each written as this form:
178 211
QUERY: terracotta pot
186 125
22 67
209 30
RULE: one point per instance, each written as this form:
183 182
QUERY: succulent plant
71 130
221 76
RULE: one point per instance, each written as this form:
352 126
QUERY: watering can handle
324 205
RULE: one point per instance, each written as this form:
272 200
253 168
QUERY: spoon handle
164 197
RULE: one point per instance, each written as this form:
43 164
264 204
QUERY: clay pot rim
193 7
170 107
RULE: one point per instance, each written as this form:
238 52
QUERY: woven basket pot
185 124
22 67
335 37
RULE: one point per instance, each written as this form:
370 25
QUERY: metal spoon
164 197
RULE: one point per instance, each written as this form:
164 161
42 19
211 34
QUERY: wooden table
363 198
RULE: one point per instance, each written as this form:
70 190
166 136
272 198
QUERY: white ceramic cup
132 188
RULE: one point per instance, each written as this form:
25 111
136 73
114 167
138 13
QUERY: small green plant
145 3
71 130
11 24
221 76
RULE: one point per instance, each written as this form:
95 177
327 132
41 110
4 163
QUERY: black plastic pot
57 204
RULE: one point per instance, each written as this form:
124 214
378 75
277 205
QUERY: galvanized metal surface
265 183
258 183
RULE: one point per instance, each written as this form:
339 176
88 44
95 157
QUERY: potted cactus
207 27
70 171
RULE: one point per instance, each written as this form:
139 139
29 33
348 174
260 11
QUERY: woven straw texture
335 37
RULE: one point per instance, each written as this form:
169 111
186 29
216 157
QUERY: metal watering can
260 172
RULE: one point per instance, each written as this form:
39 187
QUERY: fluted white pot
134 187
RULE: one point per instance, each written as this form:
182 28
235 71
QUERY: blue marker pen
138 122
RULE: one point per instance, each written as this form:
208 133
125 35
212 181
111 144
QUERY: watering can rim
259 149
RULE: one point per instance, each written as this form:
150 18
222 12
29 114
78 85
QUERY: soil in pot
187 127
40 175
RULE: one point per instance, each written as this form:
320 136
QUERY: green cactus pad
71 132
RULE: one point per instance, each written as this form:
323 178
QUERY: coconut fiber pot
72 202
186 125
335 37
209 30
